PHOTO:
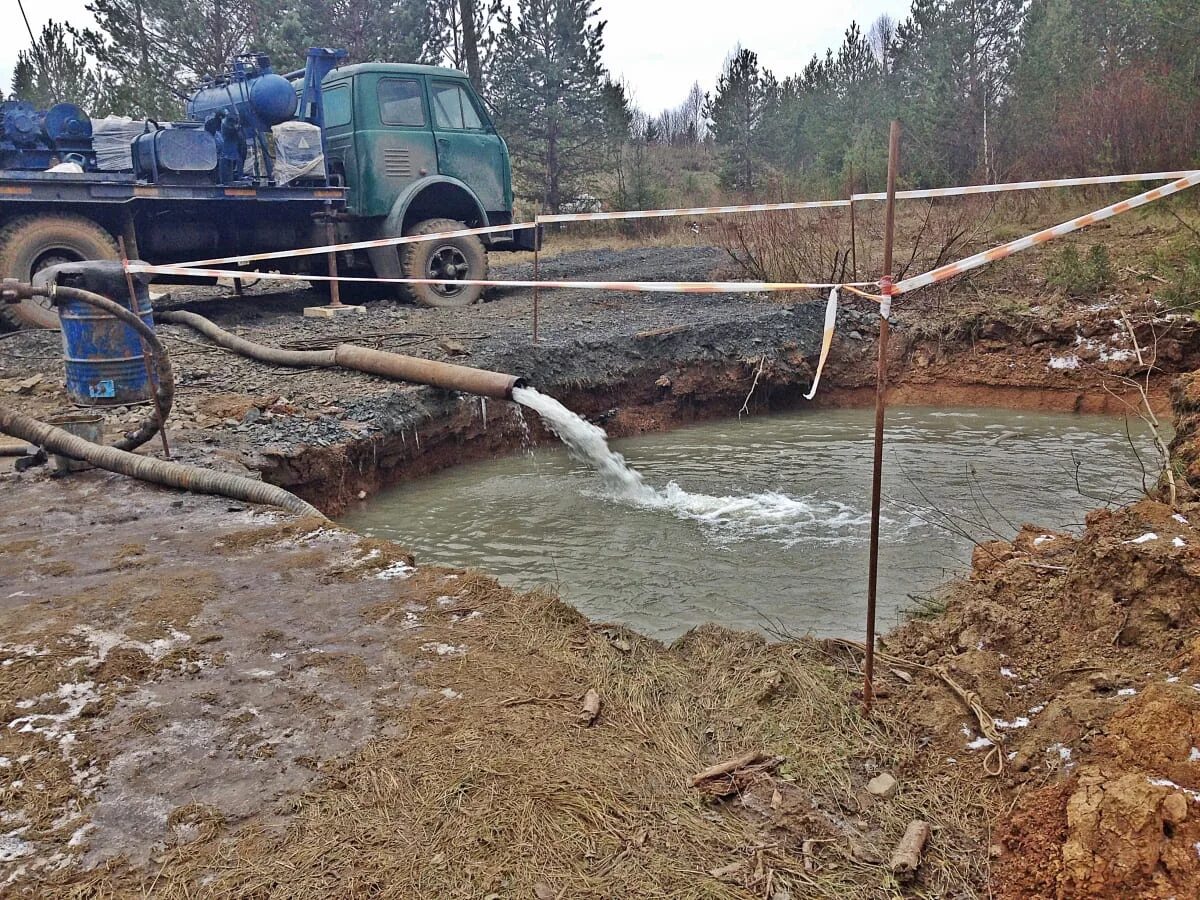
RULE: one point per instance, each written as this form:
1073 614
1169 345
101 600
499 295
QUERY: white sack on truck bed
297 152
112 138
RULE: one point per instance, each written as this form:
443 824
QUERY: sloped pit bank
667 377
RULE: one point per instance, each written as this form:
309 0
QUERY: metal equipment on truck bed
266 163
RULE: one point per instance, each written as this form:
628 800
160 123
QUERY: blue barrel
102 355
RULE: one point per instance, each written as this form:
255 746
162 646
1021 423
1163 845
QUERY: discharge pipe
363 359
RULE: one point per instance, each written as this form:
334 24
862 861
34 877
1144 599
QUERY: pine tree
737 112
548 91
56 69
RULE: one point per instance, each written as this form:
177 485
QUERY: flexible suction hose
147 468
363 359
117 458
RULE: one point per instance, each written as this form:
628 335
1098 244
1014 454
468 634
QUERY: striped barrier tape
659 287
826 341
692 211
354 245
966 190
245 259
1190 179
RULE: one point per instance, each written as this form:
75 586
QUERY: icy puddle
762 523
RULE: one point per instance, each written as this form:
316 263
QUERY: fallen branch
728 767
734 775
906 858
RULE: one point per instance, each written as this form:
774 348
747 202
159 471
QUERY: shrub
1082 276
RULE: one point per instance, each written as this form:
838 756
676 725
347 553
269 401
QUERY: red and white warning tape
692 211
338 248
658 287
966 190
1189 179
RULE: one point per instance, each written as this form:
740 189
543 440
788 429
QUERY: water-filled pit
761 523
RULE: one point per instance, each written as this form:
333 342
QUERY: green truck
392 149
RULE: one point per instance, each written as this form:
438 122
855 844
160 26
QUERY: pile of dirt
1087 652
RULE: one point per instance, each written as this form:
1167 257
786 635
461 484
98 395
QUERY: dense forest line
987 89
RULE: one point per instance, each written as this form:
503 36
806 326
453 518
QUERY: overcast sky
658 46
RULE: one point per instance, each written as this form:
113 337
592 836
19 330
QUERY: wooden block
331 312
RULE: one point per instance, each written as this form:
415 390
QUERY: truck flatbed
117 187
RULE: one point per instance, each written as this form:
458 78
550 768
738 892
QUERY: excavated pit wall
657 380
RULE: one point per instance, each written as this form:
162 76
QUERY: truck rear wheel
459 258
31 243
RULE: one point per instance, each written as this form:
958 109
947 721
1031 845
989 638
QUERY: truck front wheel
29 244
455 259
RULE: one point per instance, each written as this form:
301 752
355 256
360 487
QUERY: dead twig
762 361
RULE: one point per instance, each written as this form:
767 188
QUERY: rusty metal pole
335 294
885 311
536 244
136 308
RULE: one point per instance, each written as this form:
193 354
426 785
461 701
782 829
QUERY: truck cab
415 145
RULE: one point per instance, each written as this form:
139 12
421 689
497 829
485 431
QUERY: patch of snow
1144 539
1181 519
1034 710
444 649
1042 539
473 614
278 655
1064 752
1126 692
259 673
979 743
1194 756
1171 679
395 570
1069 361
104 642
446 601
1018 722
1007 672
450 694
12 847
1178 542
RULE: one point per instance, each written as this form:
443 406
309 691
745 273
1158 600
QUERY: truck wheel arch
30 242
436 197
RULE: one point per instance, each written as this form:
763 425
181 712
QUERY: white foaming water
768 514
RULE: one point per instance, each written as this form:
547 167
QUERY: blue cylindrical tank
102 355
267 99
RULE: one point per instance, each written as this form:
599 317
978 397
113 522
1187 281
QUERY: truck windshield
453 108
400 102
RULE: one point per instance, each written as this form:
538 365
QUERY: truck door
339 138
468 148
395 145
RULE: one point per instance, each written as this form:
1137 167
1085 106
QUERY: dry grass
502 792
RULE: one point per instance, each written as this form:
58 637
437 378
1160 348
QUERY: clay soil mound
1087 652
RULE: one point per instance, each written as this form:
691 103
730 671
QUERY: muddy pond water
761 523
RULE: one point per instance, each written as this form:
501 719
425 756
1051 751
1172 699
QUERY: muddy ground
222 701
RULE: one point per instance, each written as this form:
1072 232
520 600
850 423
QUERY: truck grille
396 162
